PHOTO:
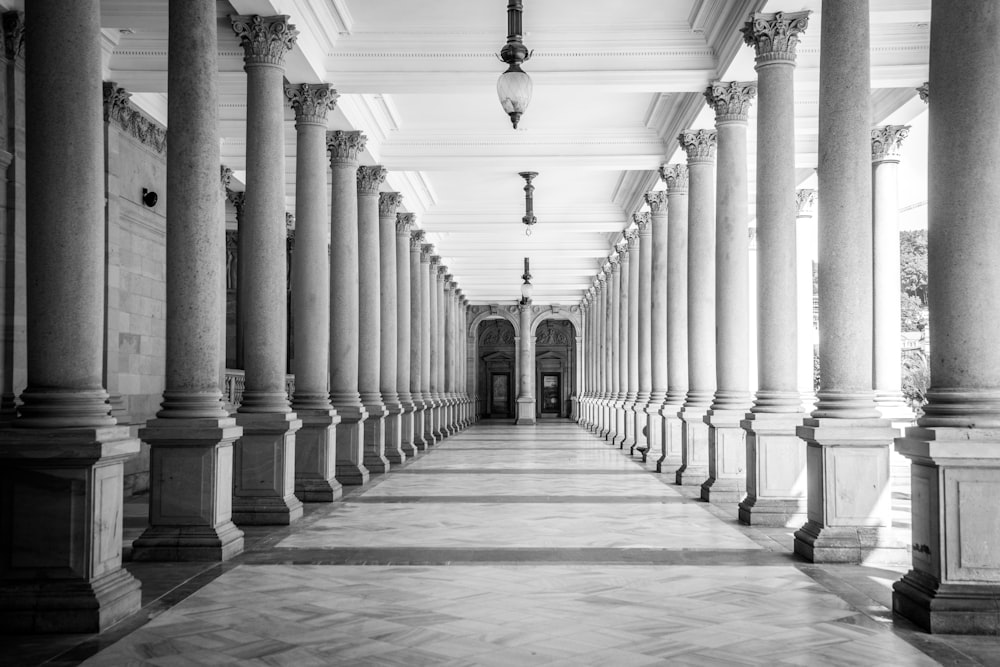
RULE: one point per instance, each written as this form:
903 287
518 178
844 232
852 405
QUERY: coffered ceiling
614 83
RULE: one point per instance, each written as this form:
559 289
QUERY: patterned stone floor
513 546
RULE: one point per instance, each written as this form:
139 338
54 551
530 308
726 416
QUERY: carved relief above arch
479 314
540 314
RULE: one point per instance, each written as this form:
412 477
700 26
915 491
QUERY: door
551 392
500 395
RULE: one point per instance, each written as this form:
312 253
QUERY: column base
620 435
947 608
640 421
264 470
654 428
419 414
430 408
316 456
350 469
188 543
776 470
375 435
672 434
394 433
525 412
406 443
694 433
727 457
851 544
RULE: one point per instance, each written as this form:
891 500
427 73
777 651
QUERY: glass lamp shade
526 289
514 91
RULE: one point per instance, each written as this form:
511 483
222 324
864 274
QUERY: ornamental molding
13 35
775 37
416 238
388 202
265 39
887 142
118 110
698 144
676 178
924 91
344 147
311 101
731 100
404 223
657 202
642 220
370 178
805 203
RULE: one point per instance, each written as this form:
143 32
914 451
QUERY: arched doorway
497 370
555 368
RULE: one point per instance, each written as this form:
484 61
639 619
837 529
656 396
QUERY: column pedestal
264 481
375 437
694 433
849 501
190 497
654 427
727 457
63 500
621 424
776 471
525 411
351 470
640 421
316 456
419 427
672 432
407 443
393 446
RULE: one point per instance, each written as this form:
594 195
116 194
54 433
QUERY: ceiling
614 83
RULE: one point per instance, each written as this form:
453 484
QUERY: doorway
500 395
551 393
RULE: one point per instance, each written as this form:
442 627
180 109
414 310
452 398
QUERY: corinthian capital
13 35
344 147
676 178
311 101
887 140
641 220
426 252
924 91
657 201
614 259
632 236
775 36
225 178
805 201
698 144
388 202
731 100
416 238
370 178
404 223
265 39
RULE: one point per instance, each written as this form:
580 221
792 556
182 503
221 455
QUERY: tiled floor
515 546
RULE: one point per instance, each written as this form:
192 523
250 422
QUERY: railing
232 391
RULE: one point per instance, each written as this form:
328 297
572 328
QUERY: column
954 580
700 148
526 367
775 457
315 443
676 178
657 202
847 459
62 456
429 355
727 458
434 284
602 349
644 221
584 415
389 327
614 335
447 351
417 308
805 255
344 148
264 462
632 255
887 329
461 383
621 422
404 358
369 179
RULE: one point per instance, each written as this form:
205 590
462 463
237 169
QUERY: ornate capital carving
436 267
370 178
642 220
775 36
225 178
698 144
416 238
887 140
805 201
265 39
404 223
237 199
632 236
426 252
13 35
388 202
615 260
731 100
657 202
311 101
622 249
676 178
119 111
344 147
924 91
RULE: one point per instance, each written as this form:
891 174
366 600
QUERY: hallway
509 545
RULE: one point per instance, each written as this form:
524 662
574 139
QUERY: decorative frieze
657 201
676 178
775 36
265 39
311 101
698 144
345 147
119 111
404 224
731 101
370 178
388 202
887 140
13 35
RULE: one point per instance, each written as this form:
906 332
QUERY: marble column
632 253
700 148
727 460
775 457
389 327
369 179
805 255
526 367
614 340
61 458
404 358
603 345
622 424
584 416
437 342
447 351
657 202
264 462
954 580
428 265
847 459
676 178
417 308
344 148
595 354
315 443
644 223
887 328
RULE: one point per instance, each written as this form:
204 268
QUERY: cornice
119 111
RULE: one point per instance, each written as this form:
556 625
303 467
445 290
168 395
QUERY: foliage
913 314
913 264
916 380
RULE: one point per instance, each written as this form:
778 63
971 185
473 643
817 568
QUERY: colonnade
791 457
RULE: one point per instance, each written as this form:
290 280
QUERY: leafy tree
913 264
914 315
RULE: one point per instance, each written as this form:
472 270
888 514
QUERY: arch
571 314
492 312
